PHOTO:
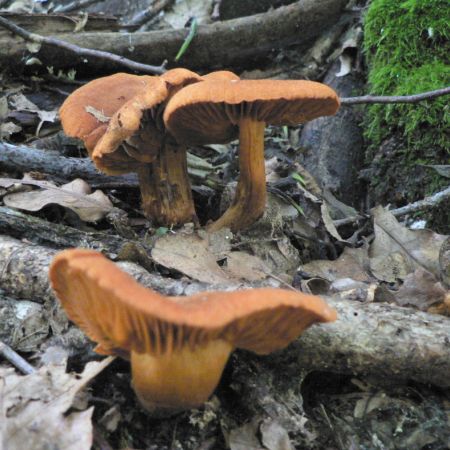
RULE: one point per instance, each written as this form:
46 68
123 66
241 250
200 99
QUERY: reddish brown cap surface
105 95
123 316
136 132
209 112
220 75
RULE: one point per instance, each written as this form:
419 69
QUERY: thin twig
421 205
80 51
74 6
16 360
148 14
395 98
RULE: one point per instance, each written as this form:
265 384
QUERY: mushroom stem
165 187
184 379
250 199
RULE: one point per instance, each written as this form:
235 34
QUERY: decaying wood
383 340
24 159
57 23
81 52
19 158
35 229
221 44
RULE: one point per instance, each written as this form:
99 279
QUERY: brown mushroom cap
105 95
220 75
134 132
123 316
209 112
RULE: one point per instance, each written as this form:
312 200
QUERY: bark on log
35 229
221 44
385 341
57 23
25 159
62 168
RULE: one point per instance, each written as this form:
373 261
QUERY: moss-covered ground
407 47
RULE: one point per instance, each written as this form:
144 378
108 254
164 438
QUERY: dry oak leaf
75 195
34 413
398 251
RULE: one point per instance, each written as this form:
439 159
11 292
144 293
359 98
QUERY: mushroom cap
135 132
105 95
122 316
220 75
209 112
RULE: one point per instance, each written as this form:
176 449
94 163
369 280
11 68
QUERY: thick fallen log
382 340
221 44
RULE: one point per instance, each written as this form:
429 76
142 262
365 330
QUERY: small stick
81 51
371 99
421 205
15 359
148 14
73 6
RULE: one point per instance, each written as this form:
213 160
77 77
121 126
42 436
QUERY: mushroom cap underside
123 316
209 112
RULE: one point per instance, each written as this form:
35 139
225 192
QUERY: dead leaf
353 263
242 265
397 250
245 437
3 108
190 255
21 103
33 47
346 61
420 289
97 114
274 436
195 257
328 222
34 408
9 128
80 21
75 195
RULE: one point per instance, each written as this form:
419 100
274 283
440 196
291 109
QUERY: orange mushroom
178 346
119 119
217 111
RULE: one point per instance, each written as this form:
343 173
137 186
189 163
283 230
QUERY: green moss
407 48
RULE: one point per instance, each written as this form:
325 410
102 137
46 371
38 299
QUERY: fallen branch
15 359
74 6
80 51
26 159
14 223
148 14
371 99
383 340
421 205
220 44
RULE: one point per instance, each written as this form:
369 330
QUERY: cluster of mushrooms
178 346
144 124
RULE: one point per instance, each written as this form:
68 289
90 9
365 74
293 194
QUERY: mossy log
382 340
222 44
